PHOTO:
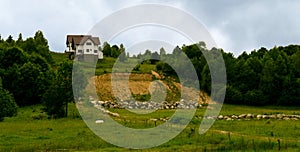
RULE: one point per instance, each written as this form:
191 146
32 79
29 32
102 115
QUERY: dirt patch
139 84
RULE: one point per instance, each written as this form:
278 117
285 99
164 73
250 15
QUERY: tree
8 107
254 97
79 81
60 92
10 40
154 58
12 56
40 39
122 56
233 95
30 84
106 49
53 100
162 52
20 40
115 51
267 85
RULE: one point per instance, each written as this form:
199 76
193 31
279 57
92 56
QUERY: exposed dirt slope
140 84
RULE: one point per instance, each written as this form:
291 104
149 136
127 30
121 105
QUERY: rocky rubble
254 116
183 104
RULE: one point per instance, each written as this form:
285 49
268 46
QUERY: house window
79 51
95 51
87 50
88 43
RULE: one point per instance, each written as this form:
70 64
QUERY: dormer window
88 43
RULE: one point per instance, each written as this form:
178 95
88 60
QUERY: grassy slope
59 57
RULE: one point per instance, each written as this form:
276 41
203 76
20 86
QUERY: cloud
235 25
250 24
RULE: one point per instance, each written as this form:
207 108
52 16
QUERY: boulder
234 117
259 116
265 116
220 117
286 118
249 116
229 119
242 116
99 121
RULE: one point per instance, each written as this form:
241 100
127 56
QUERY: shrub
8 107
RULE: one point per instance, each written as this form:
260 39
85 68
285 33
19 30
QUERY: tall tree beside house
106 49
60 92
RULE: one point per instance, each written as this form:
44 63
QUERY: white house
84 47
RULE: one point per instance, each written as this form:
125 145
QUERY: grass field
25 133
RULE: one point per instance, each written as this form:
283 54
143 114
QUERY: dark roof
81 39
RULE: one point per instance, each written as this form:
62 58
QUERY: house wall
87 52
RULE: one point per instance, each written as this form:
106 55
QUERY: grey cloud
236 25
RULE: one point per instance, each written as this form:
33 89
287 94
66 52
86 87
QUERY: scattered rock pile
254 116
183 104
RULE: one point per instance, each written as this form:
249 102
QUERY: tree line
29 75
262 77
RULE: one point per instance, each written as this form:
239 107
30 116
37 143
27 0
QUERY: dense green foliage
25 68
8 107
59 94
259 78
31 76
114 51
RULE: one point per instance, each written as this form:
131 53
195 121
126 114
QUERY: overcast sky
236 25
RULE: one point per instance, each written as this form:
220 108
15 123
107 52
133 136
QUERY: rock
99 121
286 118
153 119
259 116
101 102
242 116
113 114
210 117
234 117
265 116
272 116
229 119
279 116
249 116
220 117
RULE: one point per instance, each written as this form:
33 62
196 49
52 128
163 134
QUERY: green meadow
31 130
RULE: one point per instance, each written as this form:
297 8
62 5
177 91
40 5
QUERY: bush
233 95
8 107
255 97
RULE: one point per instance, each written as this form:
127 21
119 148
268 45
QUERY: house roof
81 39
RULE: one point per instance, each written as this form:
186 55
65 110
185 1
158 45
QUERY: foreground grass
24 133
